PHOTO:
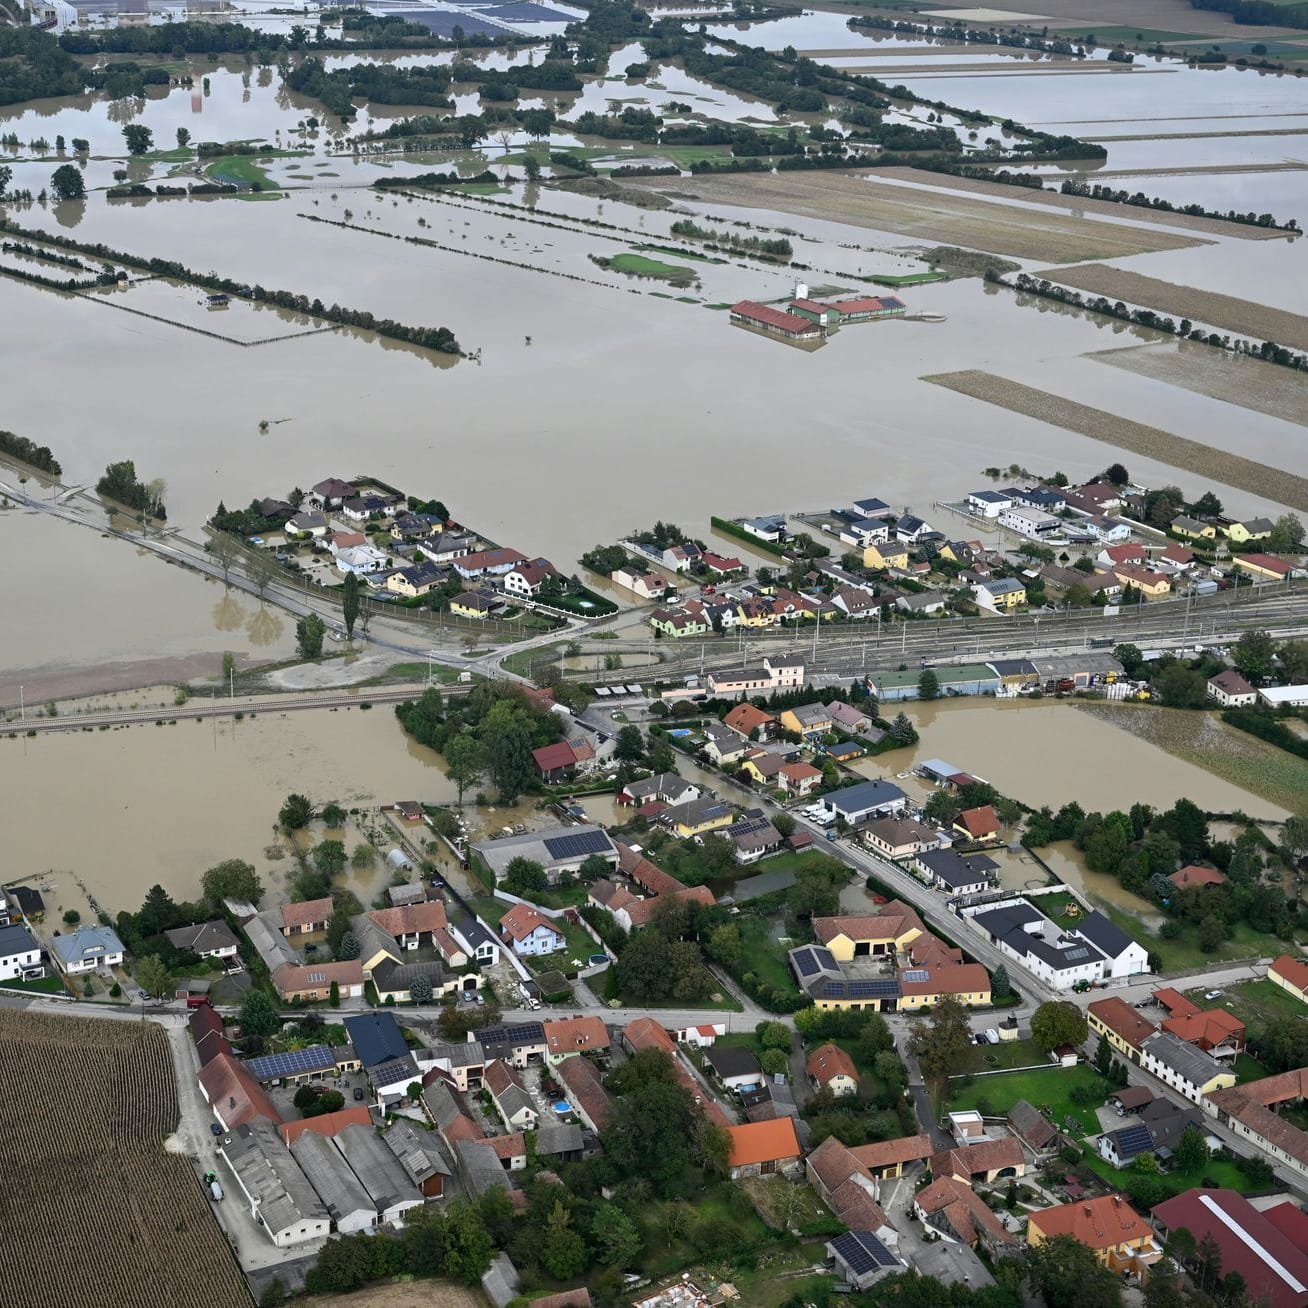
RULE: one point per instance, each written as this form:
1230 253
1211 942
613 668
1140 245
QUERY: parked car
358 1094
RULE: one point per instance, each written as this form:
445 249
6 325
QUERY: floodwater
1068 862
161 804
81 599
1047 752
571 385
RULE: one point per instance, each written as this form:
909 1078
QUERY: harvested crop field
1056 200
1151 442
94 1210
1250 383
1260 321
1024 233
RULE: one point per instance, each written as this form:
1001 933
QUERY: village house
556 849
512 1100
445 547
979 824
681 622
1184 1067
1028 521
1123 1025
952 1207
1194 875
306 917
529 932
735 1068
1214 1030
479 604
807 720
868 799
20 954
754 838
642 583
777 672
987 503
582 1082
570 1036
312 983
830 1068
983 1160
799 779
1252 529
954 873
1229 689
421 1155
888 932
1152 585
1291 974
698 817
308 524
208 939
1192 528
526 579
1266 567
86 949
411 582
1119 1237
487 563
861 1259
896 838
1000 593
1251 1112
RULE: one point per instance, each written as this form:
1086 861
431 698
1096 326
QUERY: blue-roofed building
376 1037
86 949
771 527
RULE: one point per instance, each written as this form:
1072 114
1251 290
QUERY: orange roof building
325 1123
1211 1029
575 1035
979 823
234 1095
1121 1239
764 1148
830 1068
745 719
1123 1025
1290 974
1194 875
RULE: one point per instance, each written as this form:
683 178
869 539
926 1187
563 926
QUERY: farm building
869 307
789 326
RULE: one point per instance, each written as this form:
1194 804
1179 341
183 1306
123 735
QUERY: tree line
29 452
121 483
432 338
1097 191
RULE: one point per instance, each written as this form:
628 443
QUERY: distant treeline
138 190
29 452
431 338
780 248
1257 13
434 181
234 38
374 82
958 34
1094 191
1269 351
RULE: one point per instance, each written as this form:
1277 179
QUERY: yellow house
1119 1237
1291 975
765 769
1266 566
1150 584
1123 1026
1193 528
472 604
889 555
1254 529
755 613
807 719
1004 592
400 584
889 932
699 817
925 987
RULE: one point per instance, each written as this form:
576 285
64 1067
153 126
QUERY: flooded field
1049 752
165 803
87 602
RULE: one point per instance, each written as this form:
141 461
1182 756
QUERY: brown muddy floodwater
80 599
162 804
1048 752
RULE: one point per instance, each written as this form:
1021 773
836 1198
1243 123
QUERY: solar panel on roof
1133 1140
872 989
917 974
1073 954
294 1062
807 963
577 845
861 1251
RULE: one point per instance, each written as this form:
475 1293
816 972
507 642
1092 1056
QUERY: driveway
946 1259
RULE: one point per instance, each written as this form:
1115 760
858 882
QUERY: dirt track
1152 442
1250 383
1077 204
840 197
1260 321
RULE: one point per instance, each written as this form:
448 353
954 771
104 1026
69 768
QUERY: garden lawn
241 169
1010 1054
45 985
1255 1003
1219 1171
1049 1088
722 1205
643 266
764 955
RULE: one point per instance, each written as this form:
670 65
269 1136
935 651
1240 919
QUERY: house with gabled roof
1109 1227
764 1149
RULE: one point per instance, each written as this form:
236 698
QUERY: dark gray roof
1106 936
1007 924
330 1176
956 870
269 1173
866 795
727 1060
503 1041
558 1138
389 975
1188 1061
16 939
420 1152
1167 1121
480 1166
204 936
394 1070
378 1169
1012 667
376 1037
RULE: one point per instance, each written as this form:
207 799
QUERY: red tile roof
1212 1027
326 1123
1102 1223
581 1079
521 920
307 912
409 919
1268 562
1194 875
948 979
1174 1001
978 822
766 316
746 719
829 1061
763 1142
888 1153
549 758
1123 1020
508 1146
1292 970
234 1095
869 304
569 1035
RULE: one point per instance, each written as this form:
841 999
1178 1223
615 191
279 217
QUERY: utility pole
22 706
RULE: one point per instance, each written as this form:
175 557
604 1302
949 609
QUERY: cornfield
93 1209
